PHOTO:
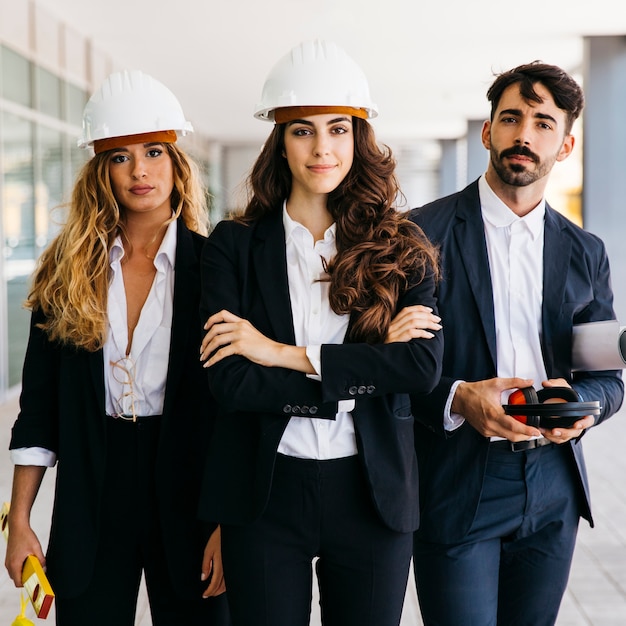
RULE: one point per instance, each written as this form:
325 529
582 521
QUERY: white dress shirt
315 324
515 251
149 354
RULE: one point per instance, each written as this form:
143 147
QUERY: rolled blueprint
599 346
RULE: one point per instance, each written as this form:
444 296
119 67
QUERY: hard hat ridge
315 73
131 103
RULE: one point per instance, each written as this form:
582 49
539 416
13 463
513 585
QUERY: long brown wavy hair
70 284
379 250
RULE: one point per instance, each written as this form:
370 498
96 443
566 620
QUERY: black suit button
371 389
362 389
312 410
287 408
305 410
295 409
353 391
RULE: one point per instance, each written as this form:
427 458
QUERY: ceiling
428 63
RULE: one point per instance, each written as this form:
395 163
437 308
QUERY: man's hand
561 435
480 404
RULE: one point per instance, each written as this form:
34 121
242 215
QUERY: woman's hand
22 539
412 322
212 565
22 543
228 334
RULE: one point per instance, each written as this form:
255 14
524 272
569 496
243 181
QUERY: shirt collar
166 252
498 214
291 227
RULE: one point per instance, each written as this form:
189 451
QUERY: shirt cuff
33 456
314 354
345 406
452 421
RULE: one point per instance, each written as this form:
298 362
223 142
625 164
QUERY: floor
596 595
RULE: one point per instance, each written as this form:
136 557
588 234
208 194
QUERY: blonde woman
113 392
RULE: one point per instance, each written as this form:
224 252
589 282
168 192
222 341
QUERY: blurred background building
428 68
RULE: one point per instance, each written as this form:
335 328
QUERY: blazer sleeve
605 386
237 383
348 370
37 422
351 370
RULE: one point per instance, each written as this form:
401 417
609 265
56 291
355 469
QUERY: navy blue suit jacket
576 289
244 270
62 408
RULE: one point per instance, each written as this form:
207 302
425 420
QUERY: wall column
604 154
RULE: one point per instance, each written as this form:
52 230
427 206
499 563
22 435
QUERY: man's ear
566 148
486 134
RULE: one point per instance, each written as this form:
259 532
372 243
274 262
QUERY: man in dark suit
501 500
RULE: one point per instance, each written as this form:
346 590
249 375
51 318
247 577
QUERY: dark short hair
565 91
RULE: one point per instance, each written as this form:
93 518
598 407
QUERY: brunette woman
313 452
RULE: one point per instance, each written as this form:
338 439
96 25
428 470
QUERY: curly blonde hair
71 281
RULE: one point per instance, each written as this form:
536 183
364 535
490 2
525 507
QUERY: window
16 77
19 232
48 93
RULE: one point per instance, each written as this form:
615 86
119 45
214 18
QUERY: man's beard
516 174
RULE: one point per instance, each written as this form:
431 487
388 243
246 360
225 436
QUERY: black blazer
244 270
62 408
576 289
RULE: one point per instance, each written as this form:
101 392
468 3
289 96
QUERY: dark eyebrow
538 115
145 145
545 116
341 119
333 121
509 112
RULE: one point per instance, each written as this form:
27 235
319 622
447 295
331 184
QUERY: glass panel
18 185
49 190
16 77
78 157
18 324
76 100
48 93
19 232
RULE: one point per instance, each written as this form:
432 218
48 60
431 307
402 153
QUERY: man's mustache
521 151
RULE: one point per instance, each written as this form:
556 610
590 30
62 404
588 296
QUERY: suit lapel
184 316
557 252
270 263
96 367
470 241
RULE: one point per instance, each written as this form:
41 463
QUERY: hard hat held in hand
131 103
315 73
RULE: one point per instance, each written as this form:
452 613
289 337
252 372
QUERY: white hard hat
131 103
315 73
